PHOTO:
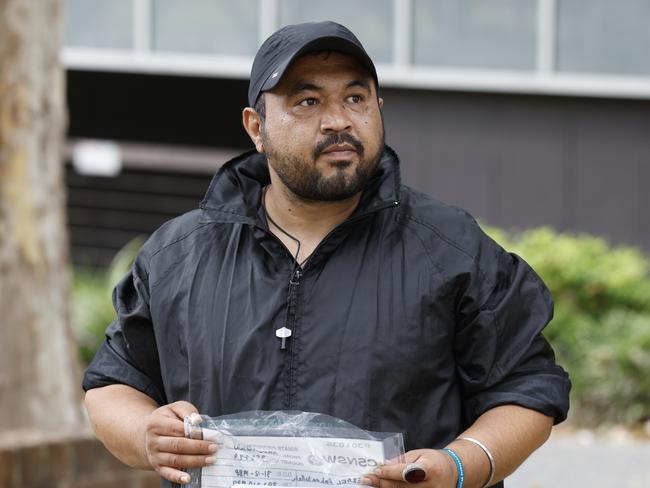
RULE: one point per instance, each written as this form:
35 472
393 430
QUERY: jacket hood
235 190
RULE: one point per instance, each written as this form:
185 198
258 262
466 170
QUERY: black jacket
406 318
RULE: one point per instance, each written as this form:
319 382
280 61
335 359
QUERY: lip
343 151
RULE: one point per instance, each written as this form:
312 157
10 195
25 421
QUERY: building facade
524 112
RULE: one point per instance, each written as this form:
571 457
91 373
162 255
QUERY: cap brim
321 44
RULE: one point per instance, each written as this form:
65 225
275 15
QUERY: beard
303 178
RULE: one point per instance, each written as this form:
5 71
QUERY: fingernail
377 471
210 460
195 418
366 481
185 478
212 448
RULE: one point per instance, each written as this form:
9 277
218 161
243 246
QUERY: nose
335 119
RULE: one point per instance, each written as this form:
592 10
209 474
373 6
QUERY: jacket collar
235 190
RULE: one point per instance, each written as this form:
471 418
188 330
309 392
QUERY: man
311 279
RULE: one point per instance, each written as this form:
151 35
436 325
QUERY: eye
308 102
355 98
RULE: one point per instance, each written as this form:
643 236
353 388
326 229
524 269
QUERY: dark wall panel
150 108
528 188
106 213
608 160
516 161
439 145
643 183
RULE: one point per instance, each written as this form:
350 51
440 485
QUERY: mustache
335 139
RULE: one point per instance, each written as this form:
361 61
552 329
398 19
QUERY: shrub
601 327
92 307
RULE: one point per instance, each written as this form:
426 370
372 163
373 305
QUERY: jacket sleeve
129 354
501 353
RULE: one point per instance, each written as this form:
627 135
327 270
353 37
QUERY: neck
306 219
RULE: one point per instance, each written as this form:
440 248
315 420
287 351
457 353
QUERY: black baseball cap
286 44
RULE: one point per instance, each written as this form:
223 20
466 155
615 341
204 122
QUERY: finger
184 409
174 475
414 455
395 471
166 426
182 460
414 473
395 460
390 471
392 484
181 445
370 480
408 457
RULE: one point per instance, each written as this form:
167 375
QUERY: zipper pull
295 278
283 333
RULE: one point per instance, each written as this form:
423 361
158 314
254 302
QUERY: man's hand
168 450
439 467
510 432
140 433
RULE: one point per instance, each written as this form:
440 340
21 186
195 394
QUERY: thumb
184 409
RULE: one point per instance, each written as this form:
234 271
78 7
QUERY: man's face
323 131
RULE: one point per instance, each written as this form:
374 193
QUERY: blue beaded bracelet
459 467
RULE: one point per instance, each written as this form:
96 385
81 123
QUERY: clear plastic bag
289 449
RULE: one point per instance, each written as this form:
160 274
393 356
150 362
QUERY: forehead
322 67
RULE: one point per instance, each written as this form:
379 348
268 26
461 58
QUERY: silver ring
414 473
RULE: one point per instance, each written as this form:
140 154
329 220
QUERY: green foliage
92 307
601 328
92 310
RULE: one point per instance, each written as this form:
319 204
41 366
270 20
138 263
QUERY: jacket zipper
292 324
294 285
342 224
347 222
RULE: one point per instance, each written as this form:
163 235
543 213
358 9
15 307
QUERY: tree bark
39 372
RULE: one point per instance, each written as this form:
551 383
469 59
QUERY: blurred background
534 115
524 112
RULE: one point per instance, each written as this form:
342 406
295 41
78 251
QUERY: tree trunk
39 372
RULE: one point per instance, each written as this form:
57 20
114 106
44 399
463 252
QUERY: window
100 23
602 36
370 20
206 26
493 34
572 47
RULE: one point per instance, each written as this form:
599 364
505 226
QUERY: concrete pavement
579 459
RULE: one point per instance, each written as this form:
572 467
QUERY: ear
253 126
381 102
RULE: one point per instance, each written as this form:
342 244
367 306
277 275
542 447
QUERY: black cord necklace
270 219
285 332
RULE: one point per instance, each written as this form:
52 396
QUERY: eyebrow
302 86
360 83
